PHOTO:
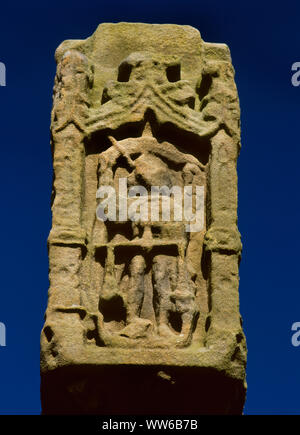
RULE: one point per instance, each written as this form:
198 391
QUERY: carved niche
153 115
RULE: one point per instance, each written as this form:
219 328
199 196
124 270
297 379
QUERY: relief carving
144 246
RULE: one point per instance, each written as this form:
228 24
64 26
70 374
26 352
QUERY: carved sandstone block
143 309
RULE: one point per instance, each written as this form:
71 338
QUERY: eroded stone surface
156 106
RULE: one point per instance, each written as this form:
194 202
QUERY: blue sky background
264 39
